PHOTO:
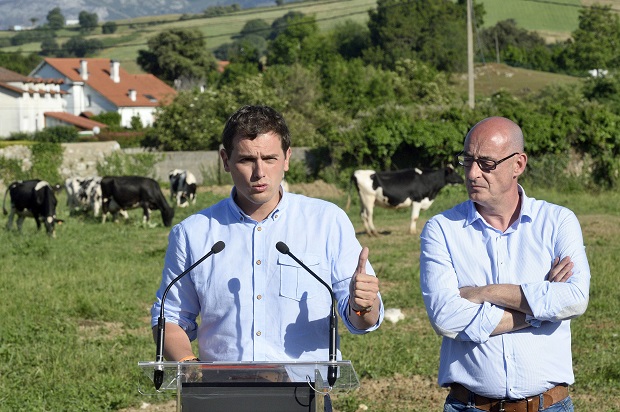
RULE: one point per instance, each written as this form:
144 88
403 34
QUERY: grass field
74 320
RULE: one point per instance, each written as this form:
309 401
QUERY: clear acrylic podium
249 386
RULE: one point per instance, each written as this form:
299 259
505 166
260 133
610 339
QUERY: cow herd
112 195
115 195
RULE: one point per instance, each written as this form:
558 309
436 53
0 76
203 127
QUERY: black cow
32 198
401 188
182 187
129 192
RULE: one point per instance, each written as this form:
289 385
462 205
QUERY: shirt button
258 333
259 297
258 262
275 216
259 228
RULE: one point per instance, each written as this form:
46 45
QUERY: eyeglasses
486 165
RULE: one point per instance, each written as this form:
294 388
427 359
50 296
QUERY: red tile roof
78 121
9 76
150 91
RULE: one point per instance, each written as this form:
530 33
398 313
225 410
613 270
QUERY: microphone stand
158 373
332 370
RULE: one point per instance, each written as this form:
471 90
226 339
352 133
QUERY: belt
531 404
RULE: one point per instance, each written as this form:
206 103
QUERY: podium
249 386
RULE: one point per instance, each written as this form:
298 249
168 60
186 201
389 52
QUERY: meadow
74 318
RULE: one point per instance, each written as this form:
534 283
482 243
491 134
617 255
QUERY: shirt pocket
295 281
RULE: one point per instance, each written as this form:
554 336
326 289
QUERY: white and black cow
84 193
129 192
400 188
32 198
182 187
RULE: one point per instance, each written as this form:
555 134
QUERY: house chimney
132 94
84 69
114 71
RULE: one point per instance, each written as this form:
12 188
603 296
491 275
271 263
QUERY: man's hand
561 270
363 288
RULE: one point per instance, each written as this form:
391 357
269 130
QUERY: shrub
46 161
122 164
57 134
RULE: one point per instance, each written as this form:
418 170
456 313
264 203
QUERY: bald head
504 132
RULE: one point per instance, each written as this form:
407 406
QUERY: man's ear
287 159
224 157
520 164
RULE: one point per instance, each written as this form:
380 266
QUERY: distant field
552 19
220 30
492 77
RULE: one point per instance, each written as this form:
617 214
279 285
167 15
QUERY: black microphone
158 374
332 370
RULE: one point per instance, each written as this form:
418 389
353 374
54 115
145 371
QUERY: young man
255 303
501 275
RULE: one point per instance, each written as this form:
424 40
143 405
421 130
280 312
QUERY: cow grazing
32 198
83 193
129 192
401 188
182 187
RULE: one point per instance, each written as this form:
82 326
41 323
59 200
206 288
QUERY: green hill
553 19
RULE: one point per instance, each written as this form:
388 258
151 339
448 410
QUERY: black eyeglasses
486 165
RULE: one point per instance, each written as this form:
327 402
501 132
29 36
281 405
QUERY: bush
109 27
46 161
11 170
57 134
121 164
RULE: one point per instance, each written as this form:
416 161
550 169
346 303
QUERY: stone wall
80 159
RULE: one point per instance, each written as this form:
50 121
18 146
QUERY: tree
596 42
281 23
350 39
49 47
88 21
55 19
432 31
255 27
177 53
288 46
109 27
81 47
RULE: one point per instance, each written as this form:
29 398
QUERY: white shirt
460 249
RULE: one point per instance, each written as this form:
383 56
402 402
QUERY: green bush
46 161
121 164
57 134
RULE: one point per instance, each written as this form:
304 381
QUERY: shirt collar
525 214
244 217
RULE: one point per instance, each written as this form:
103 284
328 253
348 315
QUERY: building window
89 102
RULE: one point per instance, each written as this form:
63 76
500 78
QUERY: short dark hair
250 121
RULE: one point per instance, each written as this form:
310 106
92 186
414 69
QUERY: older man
501 275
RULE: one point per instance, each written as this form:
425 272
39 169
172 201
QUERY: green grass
74 320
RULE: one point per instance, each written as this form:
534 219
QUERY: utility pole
470 56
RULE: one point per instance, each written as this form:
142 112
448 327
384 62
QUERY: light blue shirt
254 303
459 248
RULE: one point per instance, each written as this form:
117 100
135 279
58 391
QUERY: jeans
452 405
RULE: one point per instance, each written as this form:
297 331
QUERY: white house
24 100
101 85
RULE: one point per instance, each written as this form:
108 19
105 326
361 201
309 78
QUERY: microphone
332 370
158 373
